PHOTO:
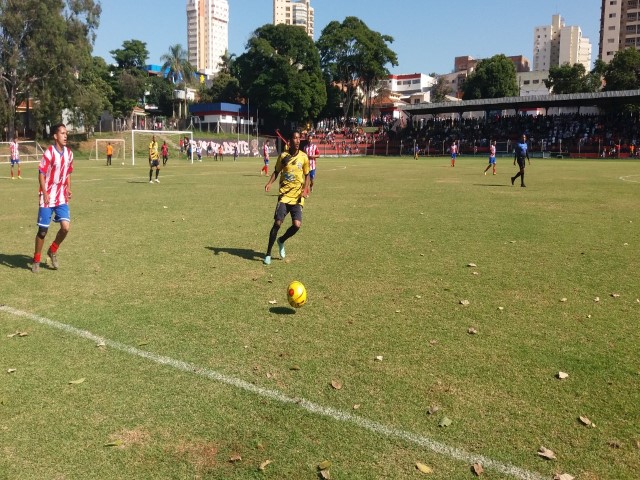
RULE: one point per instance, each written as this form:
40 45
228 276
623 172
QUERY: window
536 81
612 27
612 15
526 82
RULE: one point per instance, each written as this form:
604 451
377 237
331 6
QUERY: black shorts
155 163
282 209
521 162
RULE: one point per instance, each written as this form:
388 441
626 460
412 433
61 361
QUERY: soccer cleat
485 174
513 179
281 249
19 177
54 259
157 181
150 181
13 178
523 185
35 268
494 173
267 260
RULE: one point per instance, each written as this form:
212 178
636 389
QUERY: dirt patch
202 456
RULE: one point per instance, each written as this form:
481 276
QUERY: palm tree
226 62
178 69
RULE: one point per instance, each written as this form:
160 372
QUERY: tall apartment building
557 44
294 12
619 27
207 33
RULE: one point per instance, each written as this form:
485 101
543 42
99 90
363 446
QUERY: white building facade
619 27
557 44
294 12
207 33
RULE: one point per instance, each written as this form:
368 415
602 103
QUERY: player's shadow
15 261
282 310
245 253
490 185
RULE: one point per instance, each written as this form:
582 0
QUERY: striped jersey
492 151
56 167
153 150
13 146
312 152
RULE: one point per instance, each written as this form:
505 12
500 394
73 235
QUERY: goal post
172 137
119 149
29 151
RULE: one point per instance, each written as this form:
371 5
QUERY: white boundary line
625 178
339 415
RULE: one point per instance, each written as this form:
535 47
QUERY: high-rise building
207 33
619 27
557 44
294 12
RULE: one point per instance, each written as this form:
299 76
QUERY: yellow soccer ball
296 294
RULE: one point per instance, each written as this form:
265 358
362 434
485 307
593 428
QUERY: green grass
175 269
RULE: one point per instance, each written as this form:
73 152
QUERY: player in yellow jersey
293 168
154 159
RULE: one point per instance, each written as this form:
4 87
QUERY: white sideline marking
339 415
627 177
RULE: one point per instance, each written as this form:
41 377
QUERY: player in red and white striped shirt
15 156
492 158
54 173
311 149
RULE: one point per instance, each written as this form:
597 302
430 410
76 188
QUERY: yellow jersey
293 170
153 151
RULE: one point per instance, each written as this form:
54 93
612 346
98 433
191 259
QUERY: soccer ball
296 294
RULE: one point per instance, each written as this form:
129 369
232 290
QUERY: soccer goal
119 149
29 151
172 137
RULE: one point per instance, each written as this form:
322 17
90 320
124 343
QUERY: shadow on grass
490 185
15 261
282 310
245 253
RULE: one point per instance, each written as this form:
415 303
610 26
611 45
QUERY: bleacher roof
599 99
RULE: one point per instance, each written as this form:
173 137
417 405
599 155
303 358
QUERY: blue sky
427 34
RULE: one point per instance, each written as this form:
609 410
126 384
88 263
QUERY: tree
280 74
494 77
178 69
129 77
224 88
45 46
440 90
570 79
623 71
353 56
226 62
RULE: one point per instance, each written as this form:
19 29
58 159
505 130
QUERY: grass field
162 305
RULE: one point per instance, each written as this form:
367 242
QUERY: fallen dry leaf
418 296
475 273
356 406
115 443
423 468
294 367
546 453
336 384
324 465
501 308
472 331
433 342
585 421
445 422
273 302
477 469
101 344
562 375
264 464
597 299
235 457
379 358
76 382
433 409
398 311
563 299
464 303
11 370
564 476
472 265
615 295
325 474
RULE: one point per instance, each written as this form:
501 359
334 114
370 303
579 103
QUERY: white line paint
627 178
339 415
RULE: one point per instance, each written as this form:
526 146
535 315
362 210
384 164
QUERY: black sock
157 172
522 178
291 231
272 237
150 174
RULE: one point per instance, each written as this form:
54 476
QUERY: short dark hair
293 132
57 127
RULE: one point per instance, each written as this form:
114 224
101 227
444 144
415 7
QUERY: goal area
119 149
29 151
140 140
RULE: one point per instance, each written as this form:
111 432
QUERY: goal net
140 140
119 149
29 151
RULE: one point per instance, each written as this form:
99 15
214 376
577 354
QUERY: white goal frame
111 140
32 156
158 133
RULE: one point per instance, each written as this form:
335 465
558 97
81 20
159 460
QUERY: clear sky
427 34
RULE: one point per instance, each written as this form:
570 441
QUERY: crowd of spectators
605 134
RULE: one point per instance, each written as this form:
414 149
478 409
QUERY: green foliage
280 73
224 88
571 79
45 49
161 94
440 90
132 56
352 56
623 71
494 77
178 68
